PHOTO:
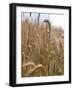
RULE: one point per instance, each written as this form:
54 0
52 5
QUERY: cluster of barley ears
41 55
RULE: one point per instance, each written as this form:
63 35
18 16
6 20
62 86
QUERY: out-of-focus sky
55 19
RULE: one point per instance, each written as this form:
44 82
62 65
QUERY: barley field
42 50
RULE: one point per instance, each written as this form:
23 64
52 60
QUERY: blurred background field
42 50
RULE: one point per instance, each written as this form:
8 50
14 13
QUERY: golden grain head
29 46
48 30
23 53
37 35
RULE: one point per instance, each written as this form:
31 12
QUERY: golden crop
42 52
